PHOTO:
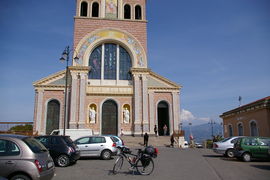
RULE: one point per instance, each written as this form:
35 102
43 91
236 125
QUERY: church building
110 88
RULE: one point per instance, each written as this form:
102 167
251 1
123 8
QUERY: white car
97 146
225 146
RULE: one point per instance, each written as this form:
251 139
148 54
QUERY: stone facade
148 98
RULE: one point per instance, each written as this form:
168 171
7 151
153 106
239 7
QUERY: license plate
50 164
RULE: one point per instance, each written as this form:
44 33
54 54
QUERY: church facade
110 88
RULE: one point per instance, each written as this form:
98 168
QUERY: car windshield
226 139
34 145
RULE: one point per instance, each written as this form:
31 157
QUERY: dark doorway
53 114
109 118
163 118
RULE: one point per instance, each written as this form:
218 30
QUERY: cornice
49 78
79 68
108 19
166 80
258 105
140 70
107 94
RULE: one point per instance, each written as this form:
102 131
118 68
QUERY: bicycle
142 161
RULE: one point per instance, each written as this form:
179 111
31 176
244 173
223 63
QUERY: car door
9 156
84 146
97 144
264 147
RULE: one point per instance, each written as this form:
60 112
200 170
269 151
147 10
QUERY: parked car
61 148
119 142
247 148
97 146
225 146
24 158
198 145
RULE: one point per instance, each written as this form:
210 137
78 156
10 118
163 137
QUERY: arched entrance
109 118
163 118
53 114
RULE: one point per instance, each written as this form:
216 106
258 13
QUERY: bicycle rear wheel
118 164
145 168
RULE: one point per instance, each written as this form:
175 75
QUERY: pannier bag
151 151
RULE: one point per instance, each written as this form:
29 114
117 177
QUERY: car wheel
230 153
246 157
63 160
106 154
20 177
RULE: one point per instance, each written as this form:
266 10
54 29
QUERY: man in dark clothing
155 130
172 140
145 139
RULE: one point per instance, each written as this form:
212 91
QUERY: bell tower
124 20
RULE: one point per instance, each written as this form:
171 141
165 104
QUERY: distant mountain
202 132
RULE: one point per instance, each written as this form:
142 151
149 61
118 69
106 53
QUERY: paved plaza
172 164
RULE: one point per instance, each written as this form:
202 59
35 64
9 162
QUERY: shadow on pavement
264 167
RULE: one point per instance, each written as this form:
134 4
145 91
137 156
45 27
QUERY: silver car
24 158
97 146
225 146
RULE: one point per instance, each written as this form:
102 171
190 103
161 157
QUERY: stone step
137 141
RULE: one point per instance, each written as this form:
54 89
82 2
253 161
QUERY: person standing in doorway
165 129
155 130
145 139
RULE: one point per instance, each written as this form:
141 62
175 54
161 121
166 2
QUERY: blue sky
217 50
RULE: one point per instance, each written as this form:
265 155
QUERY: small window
56 141
35 145
83 141
84 8
95 9
43 140
138 12
127 13
97 140
8 148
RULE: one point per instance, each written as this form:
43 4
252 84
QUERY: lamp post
212 122
65 57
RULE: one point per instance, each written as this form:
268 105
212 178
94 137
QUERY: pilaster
145 103
73 100
82 110
151 112
176 110
39 104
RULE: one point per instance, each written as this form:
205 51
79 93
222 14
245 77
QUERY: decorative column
137 105
145 104
73 100
102 13
176 110
151 112
39 106
82 111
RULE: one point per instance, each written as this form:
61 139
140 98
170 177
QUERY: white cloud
187 117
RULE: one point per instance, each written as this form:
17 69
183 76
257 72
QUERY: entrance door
163 118
109 118
53 114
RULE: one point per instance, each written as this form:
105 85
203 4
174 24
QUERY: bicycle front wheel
118 164
145 166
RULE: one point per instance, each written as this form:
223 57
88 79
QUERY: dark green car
247 148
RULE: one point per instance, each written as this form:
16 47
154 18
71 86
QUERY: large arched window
95 9
95 63
127 12
240 129
84 8
138 12
253 129
110 62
